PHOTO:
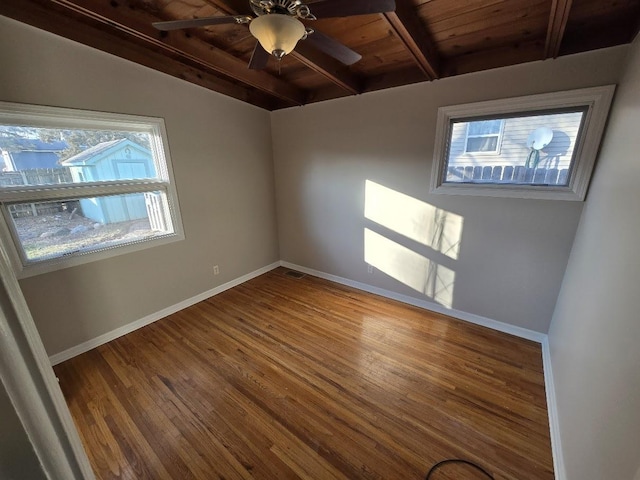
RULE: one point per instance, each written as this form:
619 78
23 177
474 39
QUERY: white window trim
598 101
56 117
488 152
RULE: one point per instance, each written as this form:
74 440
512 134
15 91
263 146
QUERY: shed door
133 204
131 170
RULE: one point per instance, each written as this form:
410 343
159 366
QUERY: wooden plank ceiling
422 40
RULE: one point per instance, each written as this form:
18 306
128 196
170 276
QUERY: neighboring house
33 154
114 160
504 142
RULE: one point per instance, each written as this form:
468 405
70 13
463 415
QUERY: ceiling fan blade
198 22
333 48
259 58
347 8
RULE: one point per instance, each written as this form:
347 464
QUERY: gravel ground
47 235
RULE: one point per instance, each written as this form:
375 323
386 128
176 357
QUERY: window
484 136
541 146
77 186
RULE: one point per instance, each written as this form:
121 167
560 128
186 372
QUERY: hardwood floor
285 378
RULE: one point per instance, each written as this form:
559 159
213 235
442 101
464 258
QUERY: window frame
68 118
596 99
487 152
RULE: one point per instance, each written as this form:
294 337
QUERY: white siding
513 149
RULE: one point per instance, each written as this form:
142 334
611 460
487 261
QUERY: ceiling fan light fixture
278 34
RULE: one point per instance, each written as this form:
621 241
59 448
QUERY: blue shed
114 160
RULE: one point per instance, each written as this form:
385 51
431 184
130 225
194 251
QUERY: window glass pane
484 127
49 156
534 149
482 144
51 229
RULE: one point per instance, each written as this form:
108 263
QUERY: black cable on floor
458 460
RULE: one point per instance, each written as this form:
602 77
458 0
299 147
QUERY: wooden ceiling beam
558 19
416 38
494 58
59 21
136 23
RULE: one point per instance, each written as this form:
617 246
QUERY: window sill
47 266
508 191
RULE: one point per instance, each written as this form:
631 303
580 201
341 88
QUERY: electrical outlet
216 270
369 268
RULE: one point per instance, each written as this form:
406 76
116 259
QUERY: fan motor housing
286 7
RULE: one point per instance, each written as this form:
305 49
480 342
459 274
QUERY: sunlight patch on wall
409 268
413 218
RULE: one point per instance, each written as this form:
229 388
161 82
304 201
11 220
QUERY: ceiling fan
277 25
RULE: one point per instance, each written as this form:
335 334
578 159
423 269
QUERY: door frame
32 387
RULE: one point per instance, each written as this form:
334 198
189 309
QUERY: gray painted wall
595 333
18 461
512 253
222 159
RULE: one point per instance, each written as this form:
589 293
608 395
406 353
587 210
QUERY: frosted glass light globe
278 34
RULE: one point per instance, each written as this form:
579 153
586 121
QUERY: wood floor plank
302 378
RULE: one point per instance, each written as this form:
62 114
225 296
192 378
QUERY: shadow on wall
423 225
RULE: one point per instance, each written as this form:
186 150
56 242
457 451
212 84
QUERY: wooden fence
508 174
47 208
36 176
39 176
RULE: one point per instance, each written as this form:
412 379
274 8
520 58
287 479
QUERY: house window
541 146
78 186
483 136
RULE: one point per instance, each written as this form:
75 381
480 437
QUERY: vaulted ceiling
422 40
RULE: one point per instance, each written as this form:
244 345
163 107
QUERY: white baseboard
130 327
427 305
552 409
